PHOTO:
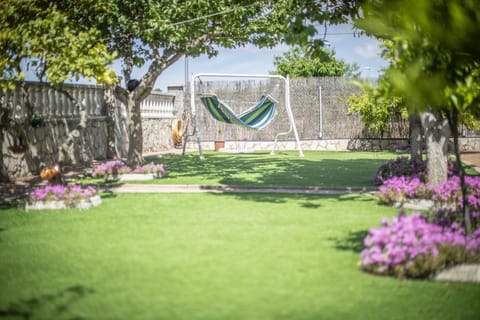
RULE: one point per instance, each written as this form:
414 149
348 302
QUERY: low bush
404 166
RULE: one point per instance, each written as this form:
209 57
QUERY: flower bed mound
410 246
62 197
117 170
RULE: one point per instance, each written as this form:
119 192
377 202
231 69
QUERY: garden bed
132 177
58 204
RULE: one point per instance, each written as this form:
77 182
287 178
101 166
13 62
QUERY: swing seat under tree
257 117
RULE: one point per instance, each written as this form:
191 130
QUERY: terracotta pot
219 144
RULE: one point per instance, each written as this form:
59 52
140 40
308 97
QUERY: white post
196 132
320 134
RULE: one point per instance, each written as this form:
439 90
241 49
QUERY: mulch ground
19 187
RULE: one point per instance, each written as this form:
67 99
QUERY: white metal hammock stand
291 119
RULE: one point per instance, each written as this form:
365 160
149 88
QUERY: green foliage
147 30
318 62
434 58
311 14
375 106
42 38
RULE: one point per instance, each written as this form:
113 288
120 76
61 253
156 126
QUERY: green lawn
323 169
209 256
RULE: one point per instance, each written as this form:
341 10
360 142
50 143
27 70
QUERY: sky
363 50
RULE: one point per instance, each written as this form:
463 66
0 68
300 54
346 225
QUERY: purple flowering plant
159 170
399 189
404 166
416 245
112 167
401 166
447 196
69 194
410 246
116 167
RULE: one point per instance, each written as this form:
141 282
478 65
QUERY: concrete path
156 188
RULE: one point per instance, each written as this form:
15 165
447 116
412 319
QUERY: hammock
257 117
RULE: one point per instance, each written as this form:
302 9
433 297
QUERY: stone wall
362 144
44 141
157 135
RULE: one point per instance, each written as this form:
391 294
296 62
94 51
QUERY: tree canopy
42 38
300 61
435 60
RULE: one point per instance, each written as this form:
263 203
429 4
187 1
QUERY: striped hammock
257 117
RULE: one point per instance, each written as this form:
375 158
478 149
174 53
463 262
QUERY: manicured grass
209 256
323 169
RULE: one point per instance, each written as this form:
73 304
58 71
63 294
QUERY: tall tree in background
300 62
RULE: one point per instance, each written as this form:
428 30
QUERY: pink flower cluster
401 188
112 167
449 192
62 193
447 196
158 169
394 248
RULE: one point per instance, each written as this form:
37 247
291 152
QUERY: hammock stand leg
196 132
291 119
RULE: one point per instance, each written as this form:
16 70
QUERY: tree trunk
437 133
110 104
135 132
415 136
453 122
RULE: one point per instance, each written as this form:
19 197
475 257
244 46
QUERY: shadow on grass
54 304
107 194
309 201
353 241
261 169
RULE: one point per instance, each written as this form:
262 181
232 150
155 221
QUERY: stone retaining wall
466 144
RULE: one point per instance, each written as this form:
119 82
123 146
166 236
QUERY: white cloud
368 51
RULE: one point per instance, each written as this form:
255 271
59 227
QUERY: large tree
436 62
155 34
